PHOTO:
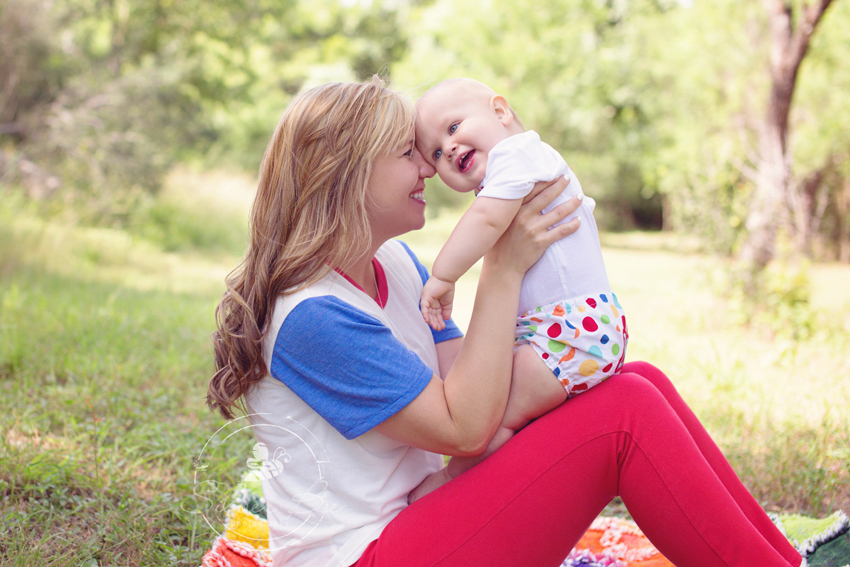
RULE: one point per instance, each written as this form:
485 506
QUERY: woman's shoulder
328 300
396 253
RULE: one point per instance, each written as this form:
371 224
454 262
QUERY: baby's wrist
444 280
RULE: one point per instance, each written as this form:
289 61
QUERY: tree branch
799 44
12 128
787 52
747 171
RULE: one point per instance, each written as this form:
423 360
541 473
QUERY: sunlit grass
104 360
105 356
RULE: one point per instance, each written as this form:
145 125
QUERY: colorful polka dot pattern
582 340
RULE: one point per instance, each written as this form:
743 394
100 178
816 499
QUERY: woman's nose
426 170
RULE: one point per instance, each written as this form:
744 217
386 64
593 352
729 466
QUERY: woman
320 335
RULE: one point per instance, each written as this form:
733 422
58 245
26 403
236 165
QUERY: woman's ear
502 109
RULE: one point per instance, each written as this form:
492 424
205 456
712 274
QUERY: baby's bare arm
477 231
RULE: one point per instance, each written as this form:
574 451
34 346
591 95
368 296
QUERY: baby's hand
436 302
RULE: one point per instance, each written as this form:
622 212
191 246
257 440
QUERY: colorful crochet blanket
610 542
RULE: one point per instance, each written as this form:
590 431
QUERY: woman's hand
529 235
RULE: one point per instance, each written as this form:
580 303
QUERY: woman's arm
459 415
447 352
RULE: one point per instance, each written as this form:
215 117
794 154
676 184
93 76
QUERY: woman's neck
362 273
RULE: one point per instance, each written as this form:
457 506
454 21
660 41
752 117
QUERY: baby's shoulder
525 153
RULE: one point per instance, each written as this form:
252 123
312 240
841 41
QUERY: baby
571 330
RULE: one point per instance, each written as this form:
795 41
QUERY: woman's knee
636 388
649 371
627 393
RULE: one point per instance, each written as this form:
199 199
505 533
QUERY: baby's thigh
534 389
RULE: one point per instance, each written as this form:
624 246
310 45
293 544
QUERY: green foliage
819 100
569 71
321 41
779 299
776 300
174 229
134 87
787 299
656 104
642 98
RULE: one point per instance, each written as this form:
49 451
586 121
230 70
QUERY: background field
104 360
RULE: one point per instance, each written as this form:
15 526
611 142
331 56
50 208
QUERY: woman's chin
418 220
417 224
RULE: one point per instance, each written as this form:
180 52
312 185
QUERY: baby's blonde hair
309 215
470 85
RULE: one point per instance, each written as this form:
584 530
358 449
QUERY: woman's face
395 202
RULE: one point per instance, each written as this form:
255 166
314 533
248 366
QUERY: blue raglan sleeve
451 330
346 365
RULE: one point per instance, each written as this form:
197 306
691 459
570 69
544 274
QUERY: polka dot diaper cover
582 340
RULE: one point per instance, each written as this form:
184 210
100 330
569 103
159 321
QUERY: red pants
529 503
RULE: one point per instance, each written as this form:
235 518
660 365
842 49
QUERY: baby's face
455 131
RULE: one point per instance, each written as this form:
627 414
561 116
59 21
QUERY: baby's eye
437 154
453 128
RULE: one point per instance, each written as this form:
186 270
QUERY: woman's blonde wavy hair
308 216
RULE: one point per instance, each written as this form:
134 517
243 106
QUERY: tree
774 182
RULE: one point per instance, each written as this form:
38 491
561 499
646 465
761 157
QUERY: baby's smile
465 161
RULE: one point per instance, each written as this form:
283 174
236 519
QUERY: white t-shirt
571 267
339 365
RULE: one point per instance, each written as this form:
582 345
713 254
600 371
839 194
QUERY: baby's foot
432 482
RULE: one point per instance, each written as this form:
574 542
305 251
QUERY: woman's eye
409 152
437 154
452 128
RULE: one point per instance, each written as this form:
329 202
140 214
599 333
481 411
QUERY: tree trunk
807 201
767 209
842 202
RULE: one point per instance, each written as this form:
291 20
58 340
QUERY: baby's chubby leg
534 391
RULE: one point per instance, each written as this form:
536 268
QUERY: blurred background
713 134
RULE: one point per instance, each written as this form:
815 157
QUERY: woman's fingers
561 231
562 211
529 234
539 225
543 193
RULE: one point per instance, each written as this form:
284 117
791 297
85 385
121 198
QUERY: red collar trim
381 280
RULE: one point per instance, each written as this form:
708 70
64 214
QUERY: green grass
105 357
104 360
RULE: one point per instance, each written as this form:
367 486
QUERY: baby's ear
502 109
